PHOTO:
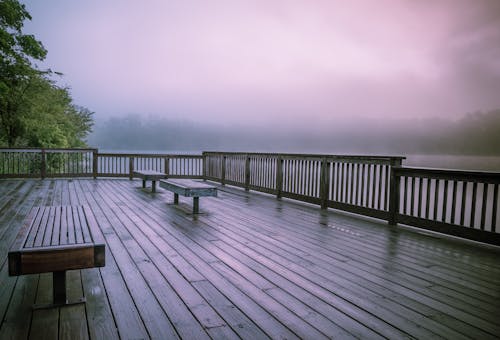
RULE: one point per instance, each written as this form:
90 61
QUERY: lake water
484 163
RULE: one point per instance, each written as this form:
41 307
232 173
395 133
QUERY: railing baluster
427 197
495 206
453 202
405 195
445 201
464 201
484 204
436 198
473 207
419 201
412 195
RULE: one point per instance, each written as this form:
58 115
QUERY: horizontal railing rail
460 203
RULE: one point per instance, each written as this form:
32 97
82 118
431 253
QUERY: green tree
50 119
34 111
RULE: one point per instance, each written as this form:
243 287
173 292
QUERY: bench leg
59 293
59 287
153 186
143 183
176 198
196 205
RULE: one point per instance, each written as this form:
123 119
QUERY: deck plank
402 296
249 267
44 323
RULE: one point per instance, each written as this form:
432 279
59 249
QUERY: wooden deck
249 266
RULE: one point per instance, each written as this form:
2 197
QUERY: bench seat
149 175
56 239
189 188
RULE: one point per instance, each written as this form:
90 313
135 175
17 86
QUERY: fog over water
471 143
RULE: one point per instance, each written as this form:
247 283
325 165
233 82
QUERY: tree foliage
34 111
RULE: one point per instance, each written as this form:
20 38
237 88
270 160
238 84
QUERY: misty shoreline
476 135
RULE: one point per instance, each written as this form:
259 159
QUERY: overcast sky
253 61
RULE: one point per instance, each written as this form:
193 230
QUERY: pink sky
252 61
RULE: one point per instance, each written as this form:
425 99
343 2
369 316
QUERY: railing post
131 168
223 170
43 164
394 193
95 157
279 177
324 183
167 166
204 166
247 173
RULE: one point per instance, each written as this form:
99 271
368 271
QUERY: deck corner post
223 170
279 177
131 168
247 172
324 182
95 156
394 193
43 164
204 165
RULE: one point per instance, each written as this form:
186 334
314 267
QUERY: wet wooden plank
73 321
251 267
17 320
45 322
102 324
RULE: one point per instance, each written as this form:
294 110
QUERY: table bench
56 239
189 188
149 175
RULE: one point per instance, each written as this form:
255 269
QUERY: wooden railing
460 203
357 184
42 163
174 166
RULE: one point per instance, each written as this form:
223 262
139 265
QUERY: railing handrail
318 156
48 150
145 155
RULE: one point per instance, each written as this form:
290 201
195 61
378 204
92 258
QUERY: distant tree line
474 134
34 110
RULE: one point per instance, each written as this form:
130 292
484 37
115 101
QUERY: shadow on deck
249 266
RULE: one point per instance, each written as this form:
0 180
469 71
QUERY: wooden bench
149 175
189 188
56 239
